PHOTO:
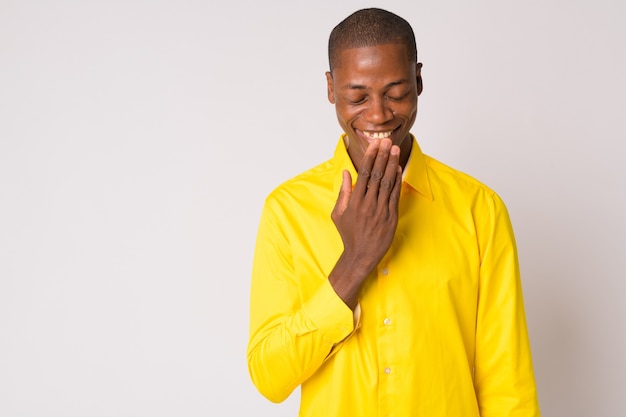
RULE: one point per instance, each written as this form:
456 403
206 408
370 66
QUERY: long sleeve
504 380
296 318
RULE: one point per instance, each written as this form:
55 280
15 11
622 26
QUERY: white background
138 140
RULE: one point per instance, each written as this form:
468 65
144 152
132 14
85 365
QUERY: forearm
285 351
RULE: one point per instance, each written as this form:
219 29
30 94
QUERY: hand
366 217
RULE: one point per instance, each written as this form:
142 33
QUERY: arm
504 379
290 338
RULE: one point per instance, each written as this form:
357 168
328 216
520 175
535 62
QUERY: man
394 291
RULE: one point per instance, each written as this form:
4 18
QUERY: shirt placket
387 357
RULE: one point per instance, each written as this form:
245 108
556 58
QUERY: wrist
348 276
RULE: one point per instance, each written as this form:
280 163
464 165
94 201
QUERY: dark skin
374 90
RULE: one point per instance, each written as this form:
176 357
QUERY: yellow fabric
442 329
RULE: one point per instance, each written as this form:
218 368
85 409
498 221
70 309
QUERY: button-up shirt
441 328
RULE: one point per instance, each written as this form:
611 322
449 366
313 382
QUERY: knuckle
364 173
386 184
376 176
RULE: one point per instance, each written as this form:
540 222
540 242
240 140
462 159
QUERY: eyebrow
362 87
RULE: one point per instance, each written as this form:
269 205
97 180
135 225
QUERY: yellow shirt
441 329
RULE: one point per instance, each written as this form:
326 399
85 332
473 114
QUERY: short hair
370 27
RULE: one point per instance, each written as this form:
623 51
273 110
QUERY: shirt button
387 371
385 271
387 321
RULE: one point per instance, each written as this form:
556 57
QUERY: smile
377 135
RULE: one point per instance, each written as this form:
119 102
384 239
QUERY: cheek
410 106
346 116
409 111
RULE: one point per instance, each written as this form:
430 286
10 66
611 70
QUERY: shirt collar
415 174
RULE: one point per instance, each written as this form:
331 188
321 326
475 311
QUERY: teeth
378 135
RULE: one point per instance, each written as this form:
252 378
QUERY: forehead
384 62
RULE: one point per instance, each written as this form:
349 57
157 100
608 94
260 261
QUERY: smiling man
384 282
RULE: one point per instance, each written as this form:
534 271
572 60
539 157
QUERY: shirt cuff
356 316
330 315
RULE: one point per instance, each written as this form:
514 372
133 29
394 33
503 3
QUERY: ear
418 75
331 87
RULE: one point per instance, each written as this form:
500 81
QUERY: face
374 90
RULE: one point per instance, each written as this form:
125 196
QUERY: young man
384 282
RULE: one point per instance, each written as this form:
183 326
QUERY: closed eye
398 98
356 101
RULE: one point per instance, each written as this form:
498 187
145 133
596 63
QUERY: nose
378 112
